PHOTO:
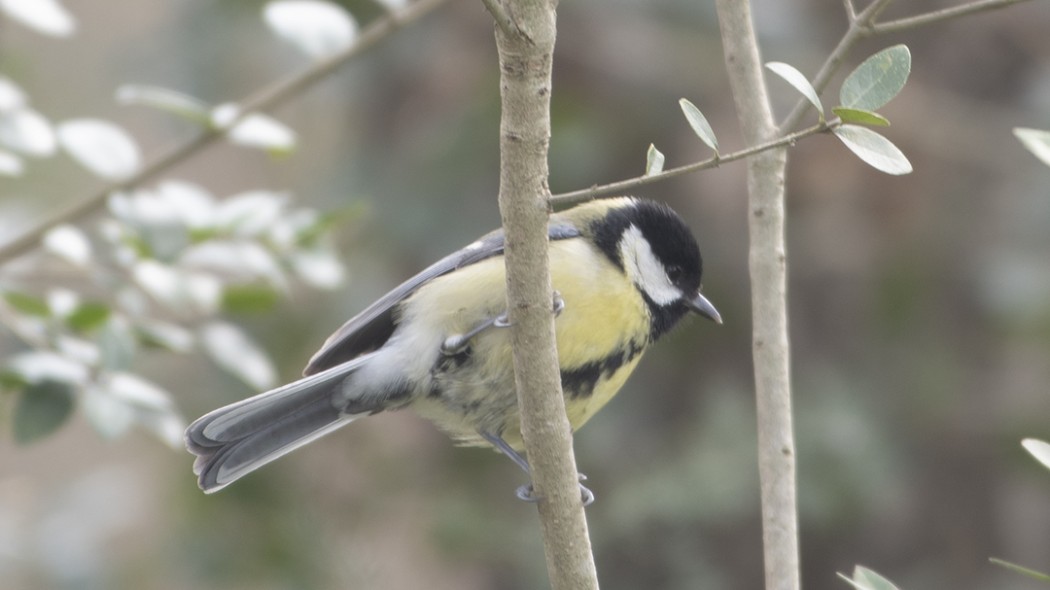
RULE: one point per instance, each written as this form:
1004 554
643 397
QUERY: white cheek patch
643 268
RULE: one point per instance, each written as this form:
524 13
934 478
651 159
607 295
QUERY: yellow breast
601 333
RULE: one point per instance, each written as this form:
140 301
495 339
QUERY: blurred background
920 310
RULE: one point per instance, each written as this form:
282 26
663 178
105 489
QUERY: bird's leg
457 343
526 492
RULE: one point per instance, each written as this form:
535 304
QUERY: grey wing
371 328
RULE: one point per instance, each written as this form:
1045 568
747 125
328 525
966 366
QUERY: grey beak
702 306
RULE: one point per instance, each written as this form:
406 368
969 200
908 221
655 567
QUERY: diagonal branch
853 34
265 99
936 16
863 24
563 200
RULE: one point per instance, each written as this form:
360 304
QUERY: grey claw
454 345
525 493
559 304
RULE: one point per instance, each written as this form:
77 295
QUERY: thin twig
919 20
266 99
851 12
863 25
563 200
820 81
499 14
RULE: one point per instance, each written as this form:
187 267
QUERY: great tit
625 271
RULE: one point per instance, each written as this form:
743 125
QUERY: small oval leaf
44 16
860 117
11 95
41 408
88 316
166 335
1036 141
876 81
238 354
10 164
260 131
798 80
69 243
27 304
871 580
317 28
164 99
102 147
318 268
1039 449
27 132
654 161
1020 569
699 123
877 151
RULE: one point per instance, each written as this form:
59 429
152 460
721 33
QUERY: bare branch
563 200
770 345
911 22
525 84
851 12
499 14
266 99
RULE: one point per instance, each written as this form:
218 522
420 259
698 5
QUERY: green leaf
876 81
1036 141
866 579
877 151
860 117
310 234
41 408
27 304
699 123
797 79
654 161
1020 569
1039 449
250 298
88 316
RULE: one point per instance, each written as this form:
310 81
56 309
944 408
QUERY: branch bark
621 187
526 51
768 266
266 99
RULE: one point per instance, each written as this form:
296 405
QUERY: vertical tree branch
768 264
525 40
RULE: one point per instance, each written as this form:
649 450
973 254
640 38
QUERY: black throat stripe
580 382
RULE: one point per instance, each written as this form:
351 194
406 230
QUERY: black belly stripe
580 382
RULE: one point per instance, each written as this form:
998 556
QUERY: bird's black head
656 250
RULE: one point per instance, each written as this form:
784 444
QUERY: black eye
674 272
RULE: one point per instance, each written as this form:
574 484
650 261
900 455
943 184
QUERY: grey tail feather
235 440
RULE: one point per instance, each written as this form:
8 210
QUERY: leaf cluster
165 263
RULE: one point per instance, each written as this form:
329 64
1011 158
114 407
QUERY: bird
624 271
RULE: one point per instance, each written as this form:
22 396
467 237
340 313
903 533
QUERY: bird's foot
526 493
